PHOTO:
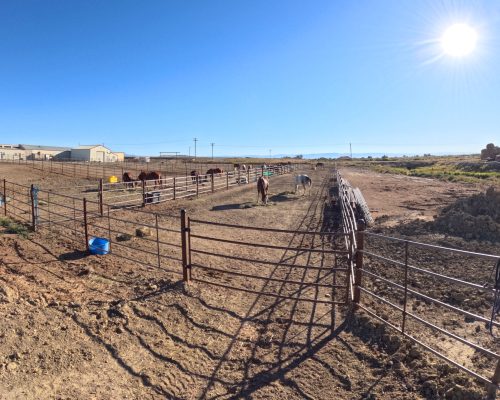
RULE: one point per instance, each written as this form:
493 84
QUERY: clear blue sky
291 76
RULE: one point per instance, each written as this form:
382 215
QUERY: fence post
227 180
174 187
197 185
184 240
492 389
5 197
157 240
239 175
101 209
406 288
360 238
248 175
34 207
144 193
85 223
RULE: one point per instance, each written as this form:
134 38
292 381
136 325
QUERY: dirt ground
102 327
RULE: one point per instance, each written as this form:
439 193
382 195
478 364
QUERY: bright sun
459 40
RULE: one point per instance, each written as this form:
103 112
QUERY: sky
254 77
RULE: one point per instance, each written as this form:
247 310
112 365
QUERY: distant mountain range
324 155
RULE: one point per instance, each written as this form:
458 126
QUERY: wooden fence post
101 208
174 187
85 223
227 180
197 185
360 238
184 240
5 197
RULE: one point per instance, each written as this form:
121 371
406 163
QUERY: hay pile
475 217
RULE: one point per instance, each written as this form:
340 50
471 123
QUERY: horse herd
263 186
262 181
131 181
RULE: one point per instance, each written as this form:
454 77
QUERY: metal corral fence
156 191
307 269
96 170
423 302
141 193
378 271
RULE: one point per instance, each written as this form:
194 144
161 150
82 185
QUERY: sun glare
459 40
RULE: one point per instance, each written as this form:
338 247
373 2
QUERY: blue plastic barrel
99 245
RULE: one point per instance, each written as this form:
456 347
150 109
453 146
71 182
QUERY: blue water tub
99 245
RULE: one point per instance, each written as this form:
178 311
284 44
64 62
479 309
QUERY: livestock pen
360 274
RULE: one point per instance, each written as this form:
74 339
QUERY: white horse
303 180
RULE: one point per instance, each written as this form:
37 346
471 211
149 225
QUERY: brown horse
151 176
214 171
129 179
262 189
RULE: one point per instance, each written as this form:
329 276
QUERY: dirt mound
475 217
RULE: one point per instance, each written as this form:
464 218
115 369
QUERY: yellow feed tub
113 179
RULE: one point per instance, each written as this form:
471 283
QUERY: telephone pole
195 140
350 149
270 153
212 144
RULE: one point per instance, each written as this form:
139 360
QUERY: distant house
96 153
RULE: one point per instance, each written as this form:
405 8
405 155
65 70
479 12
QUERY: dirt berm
475 217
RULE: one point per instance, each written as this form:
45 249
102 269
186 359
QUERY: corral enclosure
262 314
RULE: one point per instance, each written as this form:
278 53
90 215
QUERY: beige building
94 153
11 152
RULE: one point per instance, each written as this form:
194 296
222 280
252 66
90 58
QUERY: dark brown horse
129 179
214 171
151 176
262 189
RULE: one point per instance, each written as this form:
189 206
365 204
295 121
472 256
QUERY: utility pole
189 153
212 144
350 149
270 153
195 140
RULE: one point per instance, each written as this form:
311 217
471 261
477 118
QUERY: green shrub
14 227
